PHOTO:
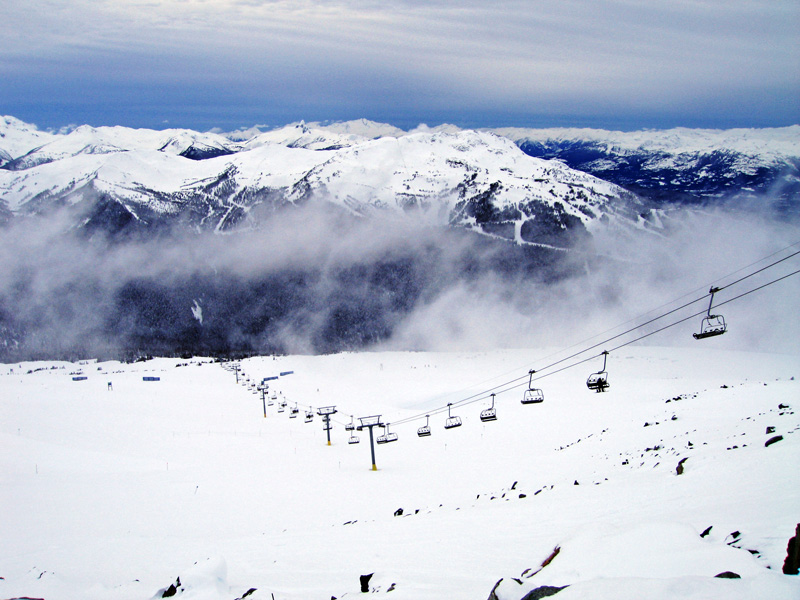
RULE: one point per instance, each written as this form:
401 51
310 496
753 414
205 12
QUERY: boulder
791 566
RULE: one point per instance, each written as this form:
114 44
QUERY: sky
203 64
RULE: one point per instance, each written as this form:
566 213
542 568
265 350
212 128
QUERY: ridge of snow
679 140
98 140
301 135
18 138
360 127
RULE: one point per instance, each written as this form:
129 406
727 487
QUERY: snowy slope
116 493
469 178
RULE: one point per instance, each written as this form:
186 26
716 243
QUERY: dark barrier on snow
151 378
80 378
286 373
268 379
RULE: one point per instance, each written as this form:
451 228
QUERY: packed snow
117 487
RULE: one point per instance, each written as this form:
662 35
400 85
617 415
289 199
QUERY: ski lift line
674 310
694 316
484 394
472 400
513 383
700 313
664 305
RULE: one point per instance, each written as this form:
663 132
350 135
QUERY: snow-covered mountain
673 166
699 166
470 179
18 138
109 140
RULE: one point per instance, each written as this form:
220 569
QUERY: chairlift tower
325 412
370 422
263 389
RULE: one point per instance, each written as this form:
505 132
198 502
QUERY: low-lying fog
313 280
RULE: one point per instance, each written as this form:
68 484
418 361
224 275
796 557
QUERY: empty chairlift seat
425 430
387 437
452 421
532 395
711 325
489 414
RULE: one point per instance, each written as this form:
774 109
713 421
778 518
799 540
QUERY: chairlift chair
489 414
711 325
599 381
425 430
451 421
353 439
532 395
281 406
309 416
294 411
387 436
351 425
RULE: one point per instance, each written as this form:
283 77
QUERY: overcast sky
621 64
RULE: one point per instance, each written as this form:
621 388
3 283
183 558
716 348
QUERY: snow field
115 493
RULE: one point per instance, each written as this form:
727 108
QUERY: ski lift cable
508 385
758 271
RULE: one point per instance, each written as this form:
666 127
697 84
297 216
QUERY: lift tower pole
325 412
263 388
370 422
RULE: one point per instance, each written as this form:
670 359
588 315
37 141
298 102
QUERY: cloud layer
313 280
237 62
